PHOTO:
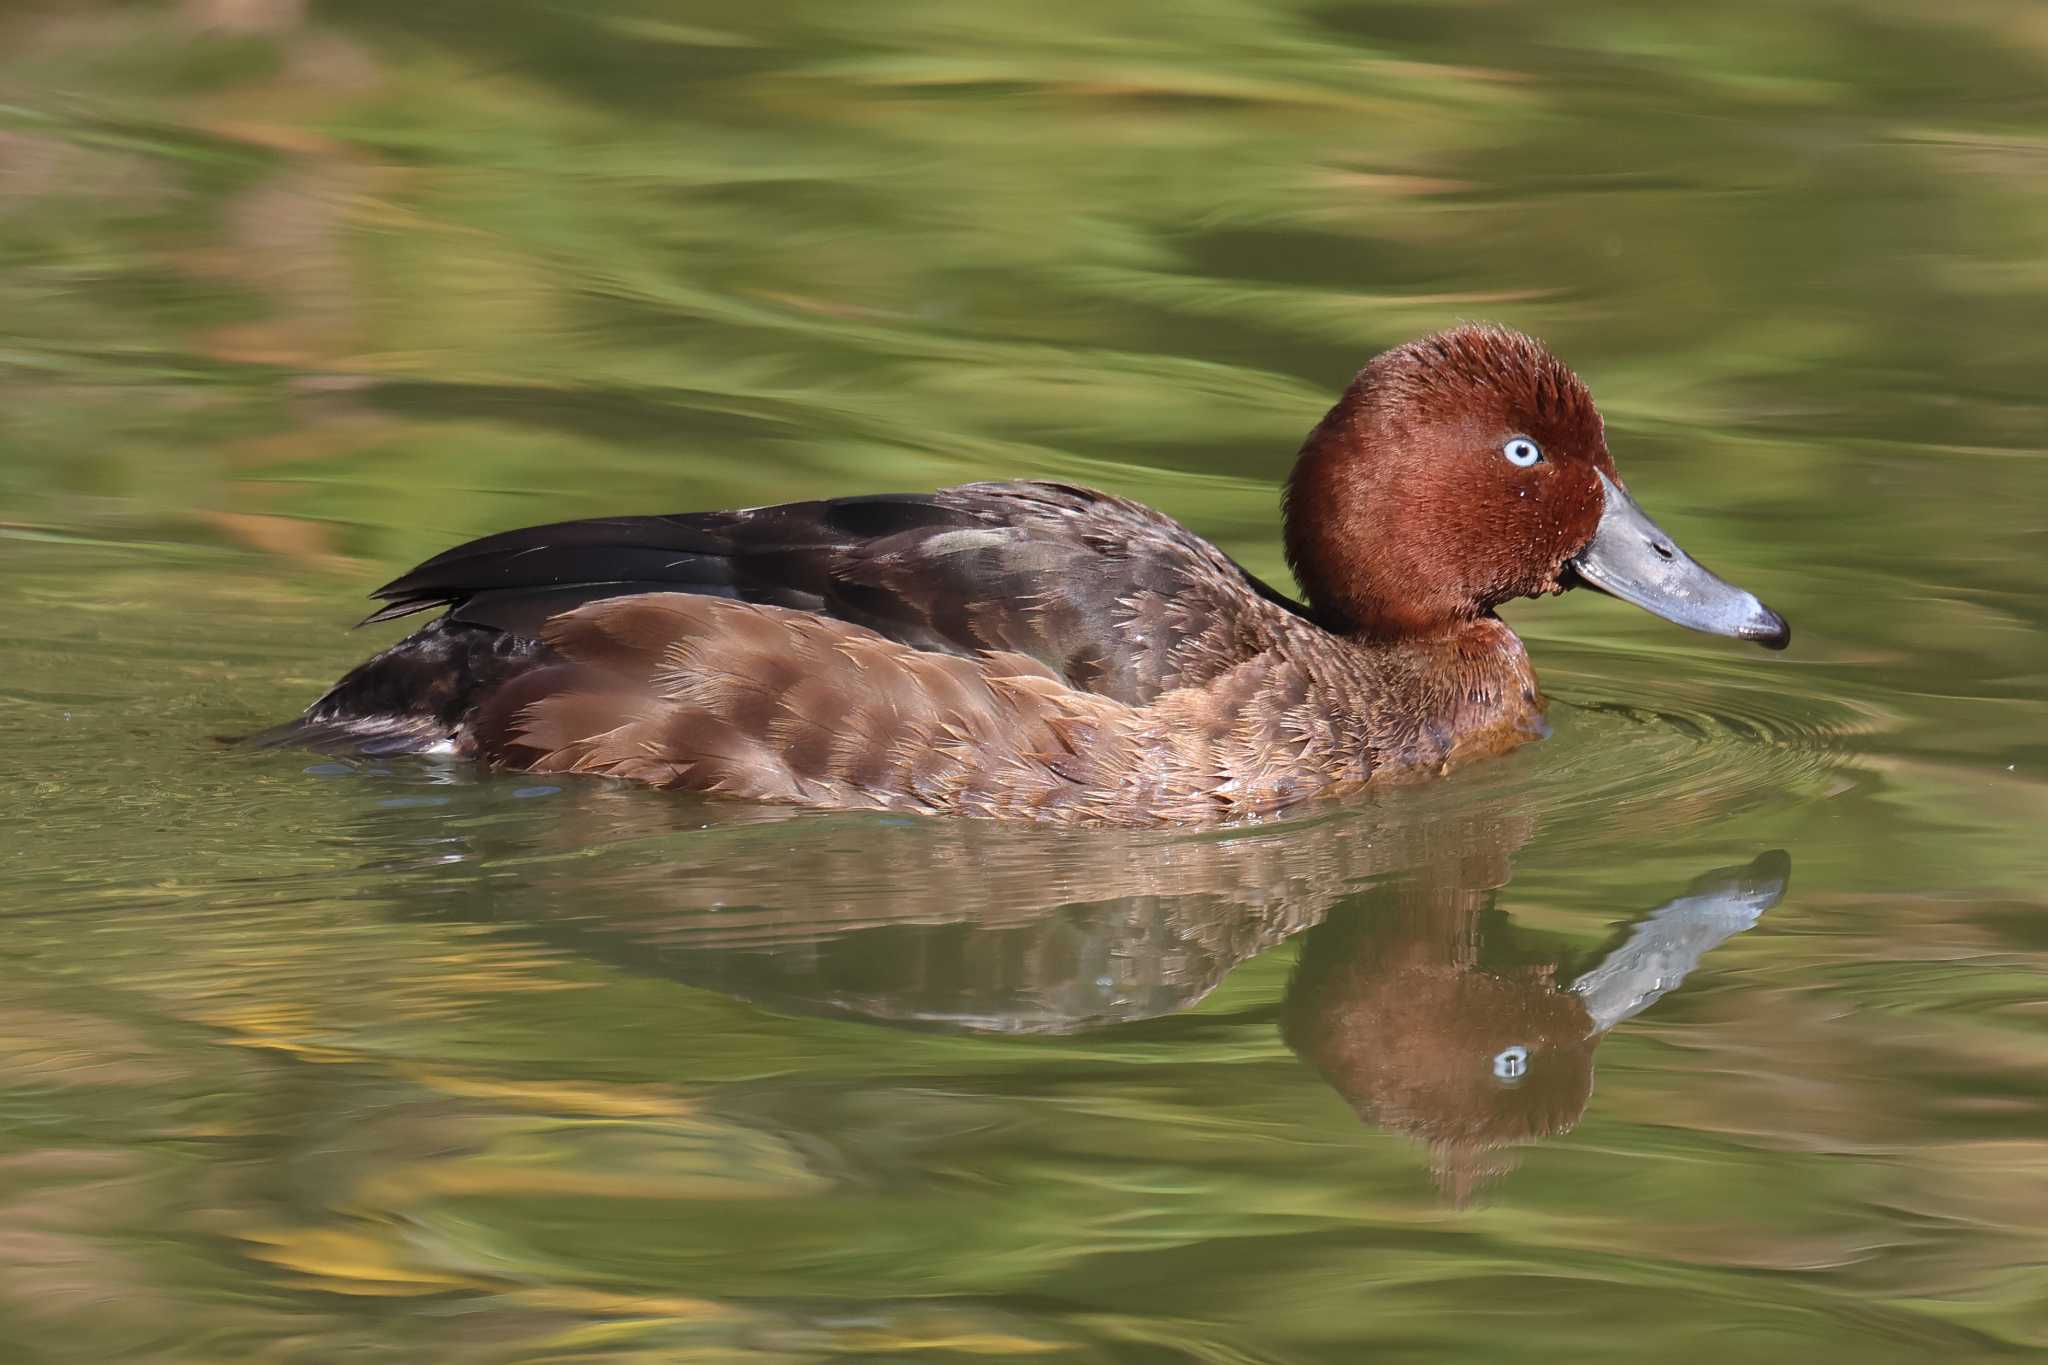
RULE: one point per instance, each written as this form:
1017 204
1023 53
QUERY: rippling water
1709 1028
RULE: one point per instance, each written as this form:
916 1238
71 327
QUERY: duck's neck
1319 520
1444 698
1359 581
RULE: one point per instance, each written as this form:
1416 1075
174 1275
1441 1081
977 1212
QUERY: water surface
1710 1028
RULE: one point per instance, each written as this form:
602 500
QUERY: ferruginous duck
1047 652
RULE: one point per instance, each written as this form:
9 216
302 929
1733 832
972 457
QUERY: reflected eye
1522 452
1511 1063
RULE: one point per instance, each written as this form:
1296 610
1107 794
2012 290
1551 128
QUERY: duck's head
1469 468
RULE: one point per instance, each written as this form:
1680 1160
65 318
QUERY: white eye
1511 1063
1522 452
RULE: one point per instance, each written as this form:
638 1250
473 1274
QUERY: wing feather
1108 595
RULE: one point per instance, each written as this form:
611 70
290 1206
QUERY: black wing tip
296 733
275 737
401 606
360 737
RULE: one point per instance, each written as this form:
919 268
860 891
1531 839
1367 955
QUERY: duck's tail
418 696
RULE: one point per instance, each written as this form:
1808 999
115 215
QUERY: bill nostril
1664 550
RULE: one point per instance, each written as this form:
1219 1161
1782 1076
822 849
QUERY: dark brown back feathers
1109 595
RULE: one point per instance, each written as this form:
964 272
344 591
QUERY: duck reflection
1415 995
1418 999
1426 1008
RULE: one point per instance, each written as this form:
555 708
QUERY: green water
304 1061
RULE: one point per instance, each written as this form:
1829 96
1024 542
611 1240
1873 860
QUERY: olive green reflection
1415 996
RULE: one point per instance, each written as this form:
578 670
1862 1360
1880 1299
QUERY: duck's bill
1670 940
1632 558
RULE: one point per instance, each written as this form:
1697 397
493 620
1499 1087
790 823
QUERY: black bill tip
1769 629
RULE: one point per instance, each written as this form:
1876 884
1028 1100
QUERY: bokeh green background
311 1062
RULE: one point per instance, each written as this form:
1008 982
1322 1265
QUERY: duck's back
1081 591
1113 597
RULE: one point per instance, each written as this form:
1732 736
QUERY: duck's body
1023 649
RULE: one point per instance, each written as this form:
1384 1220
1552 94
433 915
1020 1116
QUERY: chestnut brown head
1470 468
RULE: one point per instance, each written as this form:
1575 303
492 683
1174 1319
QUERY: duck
1043 651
